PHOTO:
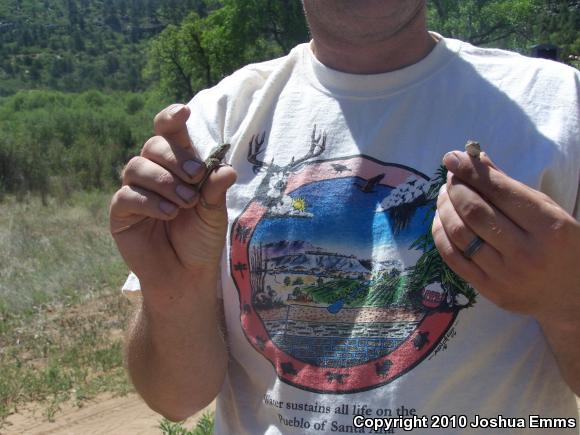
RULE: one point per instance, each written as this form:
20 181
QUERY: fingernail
191 167
451 161
175 109
167 207
185 193
442 189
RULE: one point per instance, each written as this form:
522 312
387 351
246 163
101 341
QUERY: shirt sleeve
132 287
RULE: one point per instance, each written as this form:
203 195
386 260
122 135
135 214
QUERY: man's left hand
529 262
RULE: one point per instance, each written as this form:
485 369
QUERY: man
317 294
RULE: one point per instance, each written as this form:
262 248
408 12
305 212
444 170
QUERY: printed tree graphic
430 268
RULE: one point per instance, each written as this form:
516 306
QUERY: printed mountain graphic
299 255
286 247
312 261
385 265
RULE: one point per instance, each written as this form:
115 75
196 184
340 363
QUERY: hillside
75 45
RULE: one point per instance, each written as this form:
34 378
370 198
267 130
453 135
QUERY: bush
53 143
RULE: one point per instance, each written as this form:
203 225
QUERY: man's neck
406 47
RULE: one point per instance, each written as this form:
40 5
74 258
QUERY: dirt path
103 416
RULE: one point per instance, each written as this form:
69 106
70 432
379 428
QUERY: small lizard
473 149
213 161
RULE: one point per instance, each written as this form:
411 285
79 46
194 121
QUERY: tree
482 22
170 66
204 49
430 267
558 23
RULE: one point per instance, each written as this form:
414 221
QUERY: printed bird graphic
370 184
340 168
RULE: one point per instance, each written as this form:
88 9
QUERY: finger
459 233
213 193
529 209
486 160
454 258
132 204
149 175
483 218
171 124
177 160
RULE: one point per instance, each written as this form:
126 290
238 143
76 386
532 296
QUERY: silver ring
474 246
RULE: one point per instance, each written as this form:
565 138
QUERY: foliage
56 143
76 45
511 24
202 50
186 45
558 22
203 427
484 22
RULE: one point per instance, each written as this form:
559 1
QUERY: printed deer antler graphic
271 190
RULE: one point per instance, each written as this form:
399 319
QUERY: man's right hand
164 233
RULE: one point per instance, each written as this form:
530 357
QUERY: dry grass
61 313
62 252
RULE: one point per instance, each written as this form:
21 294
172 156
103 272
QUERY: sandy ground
103 416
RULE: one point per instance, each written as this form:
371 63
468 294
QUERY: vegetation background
80 82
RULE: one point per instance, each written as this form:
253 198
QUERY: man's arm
177 357
529 262
169 221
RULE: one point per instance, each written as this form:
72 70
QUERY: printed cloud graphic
405 193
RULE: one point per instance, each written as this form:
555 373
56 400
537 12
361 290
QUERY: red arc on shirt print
340 286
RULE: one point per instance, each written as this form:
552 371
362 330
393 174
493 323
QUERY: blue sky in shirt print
344 220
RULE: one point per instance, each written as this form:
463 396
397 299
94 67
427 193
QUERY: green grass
61 313
62 316
204 427
63 354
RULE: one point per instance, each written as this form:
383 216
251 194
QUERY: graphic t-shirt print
340 285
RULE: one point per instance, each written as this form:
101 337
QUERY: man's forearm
177 358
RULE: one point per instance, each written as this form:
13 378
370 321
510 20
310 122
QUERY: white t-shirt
332 306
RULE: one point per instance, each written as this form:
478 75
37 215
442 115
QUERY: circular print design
340 285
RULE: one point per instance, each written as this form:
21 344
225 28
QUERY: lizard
212 162
473 149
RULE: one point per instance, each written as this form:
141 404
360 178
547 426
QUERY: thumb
171 124
199 233
211 205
